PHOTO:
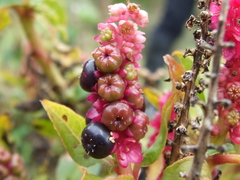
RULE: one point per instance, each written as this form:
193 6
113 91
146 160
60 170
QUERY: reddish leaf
175 70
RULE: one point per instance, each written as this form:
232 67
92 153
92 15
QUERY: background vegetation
65 30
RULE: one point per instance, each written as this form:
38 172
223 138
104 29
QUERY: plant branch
198 53
26 16
205 130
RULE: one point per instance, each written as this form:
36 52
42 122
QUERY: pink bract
129 152
235 134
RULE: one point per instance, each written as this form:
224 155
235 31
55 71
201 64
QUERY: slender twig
205 130
183 120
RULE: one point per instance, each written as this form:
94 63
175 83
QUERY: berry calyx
107 58
97 140
88 78
117 116
111 87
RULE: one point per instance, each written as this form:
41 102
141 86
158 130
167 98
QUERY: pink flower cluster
117 98
229 77
232 29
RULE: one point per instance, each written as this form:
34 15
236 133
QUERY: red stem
218 159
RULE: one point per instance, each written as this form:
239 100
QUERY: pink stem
218 159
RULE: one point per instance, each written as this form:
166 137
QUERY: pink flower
127 28
117 12
129 152
215 11
235 134
131 51
232 31
141 18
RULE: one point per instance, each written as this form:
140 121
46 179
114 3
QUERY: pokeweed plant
193 134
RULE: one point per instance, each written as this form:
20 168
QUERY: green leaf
185 62
67 169
184 165
44 127
55 13
152 95
69 127
152 153
156 149
87 176
228 147
8 3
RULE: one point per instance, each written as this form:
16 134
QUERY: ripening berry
139 126
133 94
5 156
4 172
97 141
129 72
16 164
107 58
106 35
117 116
88 78
111 87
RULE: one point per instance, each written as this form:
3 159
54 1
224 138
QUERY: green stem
26 15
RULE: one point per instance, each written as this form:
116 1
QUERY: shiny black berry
97 141
88 78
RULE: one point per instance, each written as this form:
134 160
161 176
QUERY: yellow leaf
152 95
5 18
5 123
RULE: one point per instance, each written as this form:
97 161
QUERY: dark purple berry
117 116
88 78
97 140
111 87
